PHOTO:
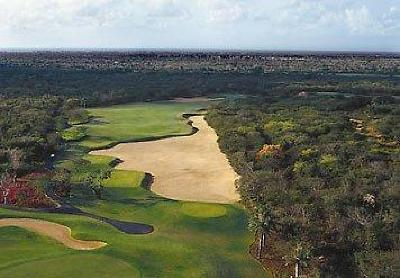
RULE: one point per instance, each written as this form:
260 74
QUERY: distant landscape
199 164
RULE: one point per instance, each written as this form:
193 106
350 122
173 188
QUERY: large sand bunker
55 231
188 168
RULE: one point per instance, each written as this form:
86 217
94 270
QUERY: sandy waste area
188 168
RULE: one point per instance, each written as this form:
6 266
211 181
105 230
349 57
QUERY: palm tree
302 256
262 222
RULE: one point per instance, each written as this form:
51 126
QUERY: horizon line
190 50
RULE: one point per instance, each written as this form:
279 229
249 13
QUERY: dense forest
117 86
210 61
320 177
30 131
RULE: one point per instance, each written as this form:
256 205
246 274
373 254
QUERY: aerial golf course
189 238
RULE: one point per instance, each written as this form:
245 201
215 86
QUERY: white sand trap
190 168
55 231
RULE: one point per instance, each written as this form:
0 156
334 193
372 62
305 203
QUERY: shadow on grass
71 208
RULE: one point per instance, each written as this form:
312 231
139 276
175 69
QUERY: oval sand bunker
190 168
55 231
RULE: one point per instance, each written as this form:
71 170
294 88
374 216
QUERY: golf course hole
203 210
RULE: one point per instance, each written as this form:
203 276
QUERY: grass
131 122
130 178
55 267
74 133
190 239
181 246
203 210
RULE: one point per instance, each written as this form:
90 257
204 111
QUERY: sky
321 25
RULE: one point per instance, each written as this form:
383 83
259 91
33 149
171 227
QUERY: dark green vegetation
351 64
190 239
28 132
108 87
31 130
320 176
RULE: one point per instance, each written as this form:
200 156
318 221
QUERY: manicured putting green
203 210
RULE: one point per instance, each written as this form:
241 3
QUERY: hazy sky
222 24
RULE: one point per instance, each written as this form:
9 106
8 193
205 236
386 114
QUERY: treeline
30 131
320 177
111 87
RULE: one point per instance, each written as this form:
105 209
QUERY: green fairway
190 239
124 123
55 267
